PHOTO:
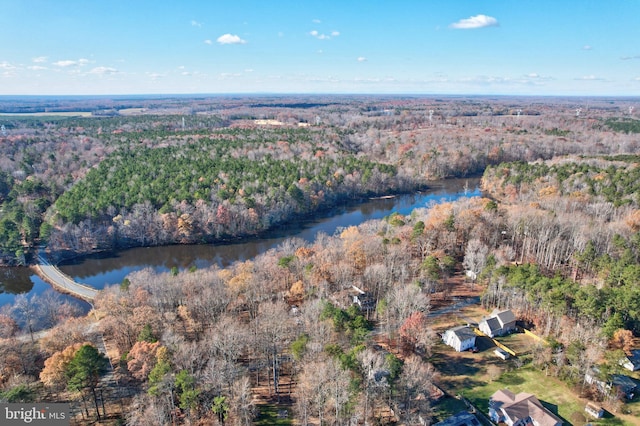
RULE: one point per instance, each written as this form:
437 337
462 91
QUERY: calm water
106 269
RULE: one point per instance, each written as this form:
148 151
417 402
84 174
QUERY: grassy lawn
553 393
269 416
520 343
478 375
447 407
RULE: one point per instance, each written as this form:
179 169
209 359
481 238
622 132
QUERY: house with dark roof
523 409
632 361
460 338
498 323
615 383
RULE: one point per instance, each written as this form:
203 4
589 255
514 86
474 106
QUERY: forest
555 237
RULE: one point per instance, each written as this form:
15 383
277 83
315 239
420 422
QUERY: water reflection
112 268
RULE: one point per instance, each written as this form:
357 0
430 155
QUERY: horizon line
336 94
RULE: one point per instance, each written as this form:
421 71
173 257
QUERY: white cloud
103 71
484 79
154 75
64 64
39 59
533 75
207 41
71 63
4 65
587 47
195 23
36 67
316 21
361 59
626 58
478 21
230 39
321 36
590 77
228 75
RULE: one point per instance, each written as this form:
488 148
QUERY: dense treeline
581 227
613 179
420 138
624 125
237 183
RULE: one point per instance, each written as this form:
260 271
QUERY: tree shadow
511 379
553 408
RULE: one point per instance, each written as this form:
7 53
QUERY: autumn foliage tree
54 374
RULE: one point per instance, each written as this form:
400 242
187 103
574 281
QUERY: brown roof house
522 409
499 323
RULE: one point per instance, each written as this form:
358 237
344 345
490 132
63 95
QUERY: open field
49 114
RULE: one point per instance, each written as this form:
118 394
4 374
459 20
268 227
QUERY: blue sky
509 47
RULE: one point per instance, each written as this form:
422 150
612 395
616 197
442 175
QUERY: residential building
632 361
498 323
619 383
460 338
523 409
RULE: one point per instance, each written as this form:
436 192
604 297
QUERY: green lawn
553 393
447 407
269 416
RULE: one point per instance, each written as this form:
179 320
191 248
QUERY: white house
499 323
460 338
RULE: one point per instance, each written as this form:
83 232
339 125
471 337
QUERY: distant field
131 111
48 114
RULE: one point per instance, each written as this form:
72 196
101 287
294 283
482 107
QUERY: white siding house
460 338
498 324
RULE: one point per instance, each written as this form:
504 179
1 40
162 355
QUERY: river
111 268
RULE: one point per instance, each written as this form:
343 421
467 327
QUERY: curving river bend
106 269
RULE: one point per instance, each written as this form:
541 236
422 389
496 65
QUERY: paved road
63 282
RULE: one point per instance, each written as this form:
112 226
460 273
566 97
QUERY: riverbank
104 268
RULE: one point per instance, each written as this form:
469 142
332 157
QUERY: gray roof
493 323
505 317
464 332
626 383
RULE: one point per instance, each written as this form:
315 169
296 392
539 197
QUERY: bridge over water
62 282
